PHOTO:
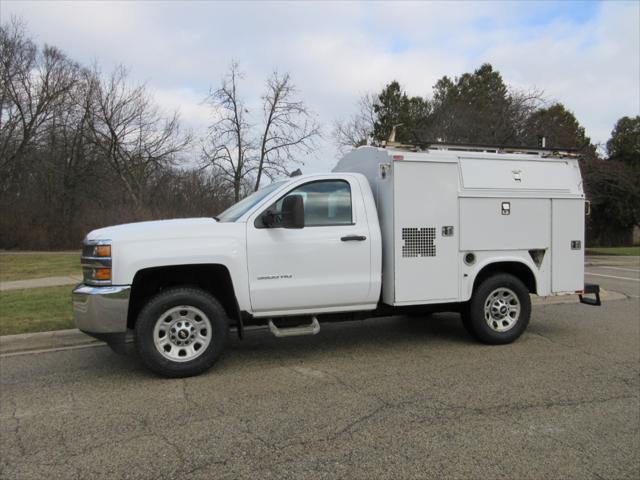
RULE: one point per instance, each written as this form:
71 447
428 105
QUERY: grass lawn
35 310
24 266
614 251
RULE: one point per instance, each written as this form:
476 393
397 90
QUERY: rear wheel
181 332
499 310
465 317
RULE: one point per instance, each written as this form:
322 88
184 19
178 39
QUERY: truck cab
330 261
389 231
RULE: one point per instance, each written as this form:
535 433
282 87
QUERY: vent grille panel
418 242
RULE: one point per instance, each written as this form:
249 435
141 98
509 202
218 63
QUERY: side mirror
292 212
269 219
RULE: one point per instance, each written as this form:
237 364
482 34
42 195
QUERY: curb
605 296
28 342
612 260
40 283
24 343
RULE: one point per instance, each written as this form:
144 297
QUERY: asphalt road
619 274
386 398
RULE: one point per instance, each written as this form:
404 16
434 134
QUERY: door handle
353 238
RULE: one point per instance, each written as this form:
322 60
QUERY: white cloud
193 112
592 68
582 54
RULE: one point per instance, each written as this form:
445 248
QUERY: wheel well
517 269
214 279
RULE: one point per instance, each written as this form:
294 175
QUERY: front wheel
181 332
499 310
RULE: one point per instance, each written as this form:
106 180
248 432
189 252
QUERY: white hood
166 229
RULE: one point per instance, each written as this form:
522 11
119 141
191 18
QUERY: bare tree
72 138
522 104
358 130
289 128
240 153
131 133
32 82
228 146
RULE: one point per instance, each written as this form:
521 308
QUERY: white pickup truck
390 231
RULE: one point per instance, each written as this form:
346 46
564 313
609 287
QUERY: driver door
324 264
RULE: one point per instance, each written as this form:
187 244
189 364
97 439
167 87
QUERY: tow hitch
591 289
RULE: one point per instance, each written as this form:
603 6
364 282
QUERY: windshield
234 212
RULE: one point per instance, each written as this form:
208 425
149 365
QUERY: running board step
311 329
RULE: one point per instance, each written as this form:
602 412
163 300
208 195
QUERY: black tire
503 327
153 312
465 317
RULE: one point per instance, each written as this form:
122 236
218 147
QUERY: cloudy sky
584 54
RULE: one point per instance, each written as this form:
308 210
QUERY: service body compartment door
567 245
426 232
526 225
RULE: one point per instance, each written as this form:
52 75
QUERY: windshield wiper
216 219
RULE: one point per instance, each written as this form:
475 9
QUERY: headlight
96 262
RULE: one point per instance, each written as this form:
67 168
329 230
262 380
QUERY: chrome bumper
101 310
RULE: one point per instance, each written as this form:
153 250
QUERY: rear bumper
101 311
591 289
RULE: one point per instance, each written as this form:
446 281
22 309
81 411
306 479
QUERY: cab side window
326 202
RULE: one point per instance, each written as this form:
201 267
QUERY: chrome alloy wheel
501 309
182 333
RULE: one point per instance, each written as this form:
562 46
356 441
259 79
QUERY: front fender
131 257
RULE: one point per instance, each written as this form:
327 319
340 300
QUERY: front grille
87 250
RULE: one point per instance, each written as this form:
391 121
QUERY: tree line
479 108
81 148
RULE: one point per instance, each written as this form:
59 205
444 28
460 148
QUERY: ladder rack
470 147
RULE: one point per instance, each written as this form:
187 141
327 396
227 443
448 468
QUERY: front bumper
101 311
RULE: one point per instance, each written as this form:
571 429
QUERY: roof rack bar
480 147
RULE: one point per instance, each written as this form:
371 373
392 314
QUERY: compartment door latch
447 231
